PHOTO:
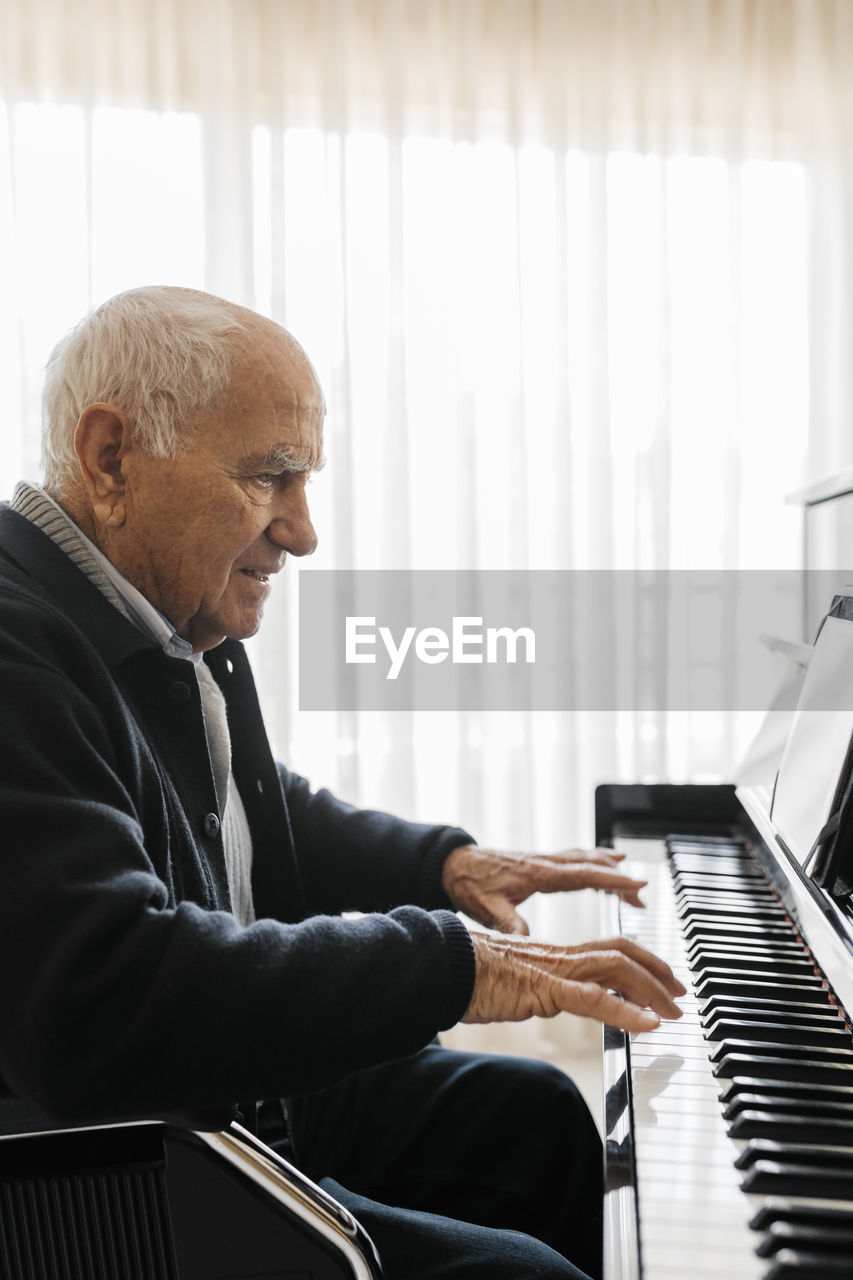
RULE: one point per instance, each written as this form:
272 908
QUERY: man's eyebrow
285 458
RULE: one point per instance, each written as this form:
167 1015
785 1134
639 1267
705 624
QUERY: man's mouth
256 574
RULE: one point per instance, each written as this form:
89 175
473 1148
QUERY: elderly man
171 901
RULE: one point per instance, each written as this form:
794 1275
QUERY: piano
729 1134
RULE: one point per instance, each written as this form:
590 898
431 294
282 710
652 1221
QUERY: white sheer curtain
576 276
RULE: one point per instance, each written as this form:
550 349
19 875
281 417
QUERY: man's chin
245 627
209 636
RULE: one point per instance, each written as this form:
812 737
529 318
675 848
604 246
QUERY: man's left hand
488 886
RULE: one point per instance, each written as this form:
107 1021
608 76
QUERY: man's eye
267 478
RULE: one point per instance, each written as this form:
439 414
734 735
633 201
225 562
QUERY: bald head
163 356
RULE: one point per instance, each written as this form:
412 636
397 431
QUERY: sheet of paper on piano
761 760
819 741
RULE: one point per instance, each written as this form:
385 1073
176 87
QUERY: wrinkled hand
488 886
518 979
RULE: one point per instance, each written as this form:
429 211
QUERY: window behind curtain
533 358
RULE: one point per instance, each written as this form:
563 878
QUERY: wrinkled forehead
274 394
269 361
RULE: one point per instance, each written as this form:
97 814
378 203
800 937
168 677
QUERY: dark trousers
461 1166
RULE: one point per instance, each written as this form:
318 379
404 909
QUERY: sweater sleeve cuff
462 963
431 894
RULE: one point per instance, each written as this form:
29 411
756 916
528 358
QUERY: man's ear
101 441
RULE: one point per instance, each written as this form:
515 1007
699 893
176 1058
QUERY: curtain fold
604 73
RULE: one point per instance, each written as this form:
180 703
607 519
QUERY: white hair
160 354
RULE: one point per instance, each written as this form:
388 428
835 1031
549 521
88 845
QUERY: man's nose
291 527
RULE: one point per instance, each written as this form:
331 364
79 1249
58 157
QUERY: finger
632 898
559 959
617 972
647 959
622 965
606 857
513 924
499 913
589 1000
556 877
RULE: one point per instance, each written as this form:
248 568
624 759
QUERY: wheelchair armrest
18 1117
168 1202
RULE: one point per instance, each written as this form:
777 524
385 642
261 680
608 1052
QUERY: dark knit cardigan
126 986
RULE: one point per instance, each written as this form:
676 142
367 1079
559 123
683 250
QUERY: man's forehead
290 397
288 389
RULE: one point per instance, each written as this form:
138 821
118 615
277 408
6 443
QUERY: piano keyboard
742 1110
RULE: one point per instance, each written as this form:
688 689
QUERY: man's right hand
518 978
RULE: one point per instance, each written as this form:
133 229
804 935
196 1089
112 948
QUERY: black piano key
727 881
802 977
706 846
820 1004
730 883
710 927
693 912
782 950
802 1235
795 989
799 1107
776 1178
743 903
804 1070
821 1013
724 883
703 949
741 872
777 1126
782 944
794 1032
734 936
706 933
774 1049
732 846
809 1155
768 965
737 867
788 1090
796 1264
677 842
737 917
819 1212
702 848
730 898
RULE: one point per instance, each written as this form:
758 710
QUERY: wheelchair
196 1197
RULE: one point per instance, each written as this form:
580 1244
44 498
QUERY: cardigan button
179 691
211 825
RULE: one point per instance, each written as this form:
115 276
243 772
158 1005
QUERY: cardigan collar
57 579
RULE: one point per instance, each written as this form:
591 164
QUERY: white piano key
693 1215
